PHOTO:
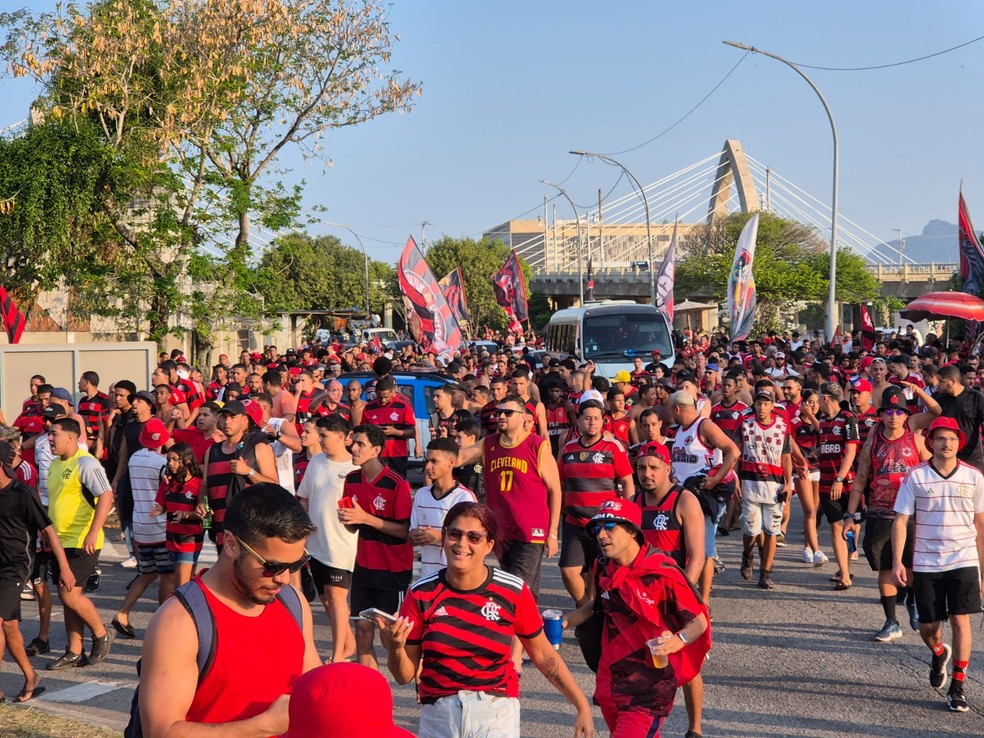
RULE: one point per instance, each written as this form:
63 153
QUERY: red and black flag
13 319
510 292
453 289
971 260
428 313
867 330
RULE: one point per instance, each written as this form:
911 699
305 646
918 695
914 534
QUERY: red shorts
632 722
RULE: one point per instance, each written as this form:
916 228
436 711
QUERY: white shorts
759 516
470 715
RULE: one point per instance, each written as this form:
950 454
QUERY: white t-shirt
42 460
324 481
942 504
145 478
283 457
430 512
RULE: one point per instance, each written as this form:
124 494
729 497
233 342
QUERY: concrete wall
62 364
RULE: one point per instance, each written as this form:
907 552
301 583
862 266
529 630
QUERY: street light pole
577 219
831 296
645 202
364 253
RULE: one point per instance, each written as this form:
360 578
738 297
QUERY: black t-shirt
968 410
21 517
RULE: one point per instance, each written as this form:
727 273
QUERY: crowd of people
298 476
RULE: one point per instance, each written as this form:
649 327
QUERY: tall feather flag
867 330
13 319
428 313
510 292
665 278
971 260
453 288
741 283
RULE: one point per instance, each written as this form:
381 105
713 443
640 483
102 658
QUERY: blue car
418 387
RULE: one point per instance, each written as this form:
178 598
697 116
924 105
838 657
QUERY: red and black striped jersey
466 637
866 423
836 434
184 535
309 405
728 418
92 409
489 418
807 438
589 476
382 561
192 396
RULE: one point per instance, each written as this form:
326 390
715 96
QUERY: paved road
797 661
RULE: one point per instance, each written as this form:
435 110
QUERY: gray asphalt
795 661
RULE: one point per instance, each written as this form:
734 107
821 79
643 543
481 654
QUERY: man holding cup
656 631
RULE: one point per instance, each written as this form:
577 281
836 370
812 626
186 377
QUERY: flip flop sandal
30 695
840 586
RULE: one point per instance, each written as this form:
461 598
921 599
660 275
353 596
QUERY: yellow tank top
70 512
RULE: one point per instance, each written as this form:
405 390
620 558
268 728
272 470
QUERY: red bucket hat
944 423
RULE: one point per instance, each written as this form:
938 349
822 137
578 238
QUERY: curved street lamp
645 202
366 255
577 219
831 297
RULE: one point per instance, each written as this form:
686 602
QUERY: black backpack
192 597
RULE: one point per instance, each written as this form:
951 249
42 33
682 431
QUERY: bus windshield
625 335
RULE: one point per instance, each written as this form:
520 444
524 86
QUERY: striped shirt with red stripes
589 476
466 637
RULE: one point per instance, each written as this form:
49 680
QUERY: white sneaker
807 555
130 563
820 558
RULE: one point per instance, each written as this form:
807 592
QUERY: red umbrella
938 305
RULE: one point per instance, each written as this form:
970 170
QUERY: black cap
7 455
893 398
146 397
234 408
760 393
51 412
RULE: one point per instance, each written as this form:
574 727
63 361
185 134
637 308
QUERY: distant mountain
937 244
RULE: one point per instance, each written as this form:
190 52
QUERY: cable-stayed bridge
613 233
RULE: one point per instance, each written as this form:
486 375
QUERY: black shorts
83 565
42 563
877 543
945 593
523 560
10 601
387 600
578 548
833 510
329 576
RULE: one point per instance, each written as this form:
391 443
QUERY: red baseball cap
866 362
860 385
657 449
154 434
621 511
944 423
345 700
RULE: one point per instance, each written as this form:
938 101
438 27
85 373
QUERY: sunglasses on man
274 568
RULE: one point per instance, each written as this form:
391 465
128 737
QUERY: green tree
791 265
478 260
301 272
196 100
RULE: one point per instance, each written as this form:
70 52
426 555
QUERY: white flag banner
741 283
665 279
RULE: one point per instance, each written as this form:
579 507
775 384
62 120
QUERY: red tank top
660 526
256 659
891 461
514 489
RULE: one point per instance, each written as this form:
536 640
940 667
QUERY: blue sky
509 87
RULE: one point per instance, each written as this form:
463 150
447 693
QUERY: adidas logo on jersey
441 612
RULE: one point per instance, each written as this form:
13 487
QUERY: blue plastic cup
553 626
